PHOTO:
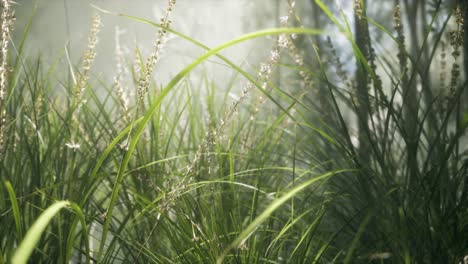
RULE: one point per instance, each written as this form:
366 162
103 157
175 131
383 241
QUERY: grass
316 161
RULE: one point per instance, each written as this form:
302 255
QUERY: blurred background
60 24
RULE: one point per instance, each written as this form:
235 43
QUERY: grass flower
73 145
87 59
122 93
151 61
7 20
456 42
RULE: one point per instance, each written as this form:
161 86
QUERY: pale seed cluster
121 90
340 72
456 41
357 9
161 39
294 52
402 56
6 27
80 87
283 41
88 59
440 104
443 63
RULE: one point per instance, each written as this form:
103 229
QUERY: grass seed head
152 60
7 20
88 58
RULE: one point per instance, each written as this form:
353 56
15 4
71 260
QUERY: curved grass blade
33 235
357 237
250 229
70 240
16 211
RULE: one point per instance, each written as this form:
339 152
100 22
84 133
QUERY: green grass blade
107 151
250 229
357 237
329 14
16 211
70 240
33 235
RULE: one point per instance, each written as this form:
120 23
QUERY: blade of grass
16 211
70 240
33 235
357 237
250 229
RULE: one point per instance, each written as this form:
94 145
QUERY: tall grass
319 162
407 202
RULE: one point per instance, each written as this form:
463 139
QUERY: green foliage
358 163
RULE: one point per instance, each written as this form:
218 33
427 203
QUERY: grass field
351 151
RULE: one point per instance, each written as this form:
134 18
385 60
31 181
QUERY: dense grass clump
323 154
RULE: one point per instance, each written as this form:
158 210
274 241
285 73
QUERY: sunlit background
61 26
